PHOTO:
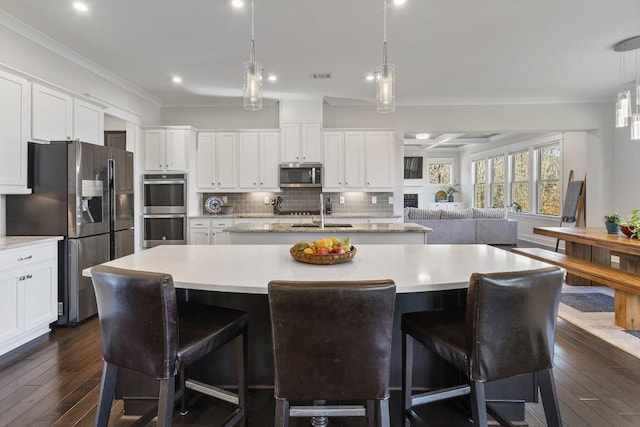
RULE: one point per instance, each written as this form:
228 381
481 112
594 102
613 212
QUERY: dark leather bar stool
332 342
508 328
144 329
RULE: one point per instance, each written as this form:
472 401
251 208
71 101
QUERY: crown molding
58 48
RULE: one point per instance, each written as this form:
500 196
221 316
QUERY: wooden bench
626 284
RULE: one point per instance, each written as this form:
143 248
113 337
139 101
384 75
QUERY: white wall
216 117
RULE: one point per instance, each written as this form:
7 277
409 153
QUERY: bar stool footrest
212 391
434 396
328 410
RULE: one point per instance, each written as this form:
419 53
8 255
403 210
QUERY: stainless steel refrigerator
83 192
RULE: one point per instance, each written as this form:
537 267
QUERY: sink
314 225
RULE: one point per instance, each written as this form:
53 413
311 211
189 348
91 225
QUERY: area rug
588 302
599 323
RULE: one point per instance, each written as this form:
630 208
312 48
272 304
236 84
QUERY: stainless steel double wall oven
164 209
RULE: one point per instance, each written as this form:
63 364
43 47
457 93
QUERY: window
497 182
413 168
440 172
548 185
520 181
480 178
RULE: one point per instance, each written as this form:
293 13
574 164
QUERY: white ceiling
445 51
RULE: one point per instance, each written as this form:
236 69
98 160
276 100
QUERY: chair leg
242 367
407 376
282 413
107 392
184 410
166 402
383 419
371 413
478 404
549 398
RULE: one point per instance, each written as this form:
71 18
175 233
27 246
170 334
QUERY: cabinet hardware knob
167 165
29 276
25 258
219 184
254 183
261 183
21 278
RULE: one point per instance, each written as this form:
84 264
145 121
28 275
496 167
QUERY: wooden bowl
323 259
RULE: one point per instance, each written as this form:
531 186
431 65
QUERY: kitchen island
289 233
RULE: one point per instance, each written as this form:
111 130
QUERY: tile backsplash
307 199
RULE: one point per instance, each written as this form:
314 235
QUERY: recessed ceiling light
177 79
81 7
237 3
422 136
399 2
370 77
273 78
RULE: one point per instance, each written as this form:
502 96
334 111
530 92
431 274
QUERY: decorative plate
213 205
441 195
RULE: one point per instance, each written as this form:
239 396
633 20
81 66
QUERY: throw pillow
461 214
489 213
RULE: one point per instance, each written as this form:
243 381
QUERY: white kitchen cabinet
451 206
379 160
258 159
88 122
165 150
216 161
225 160
354 168
51 114
15 95
343 161
209 231
28 293
301 143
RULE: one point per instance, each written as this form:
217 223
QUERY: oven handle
164 216
164 182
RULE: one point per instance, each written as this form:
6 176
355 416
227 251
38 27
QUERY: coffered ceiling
445 52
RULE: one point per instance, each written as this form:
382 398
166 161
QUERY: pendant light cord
384 45
253 43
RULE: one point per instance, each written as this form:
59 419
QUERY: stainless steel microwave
300 175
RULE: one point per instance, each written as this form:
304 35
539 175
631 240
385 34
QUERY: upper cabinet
301 143
237 161
51 115
379 160
358 161
15 93
258 160
165 150
57 116
88 122
216 161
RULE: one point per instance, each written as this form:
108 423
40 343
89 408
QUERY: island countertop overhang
304 228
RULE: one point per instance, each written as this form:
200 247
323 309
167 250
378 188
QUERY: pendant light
635 118
252 99
624 105
386 78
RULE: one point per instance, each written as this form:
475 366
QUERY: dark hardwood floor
55 382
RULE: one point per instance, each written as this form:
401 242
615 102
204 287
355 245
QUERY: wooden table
596 245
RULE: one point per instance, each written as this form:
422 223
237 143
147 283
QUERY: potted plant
451 189
226 208
612 223
631 226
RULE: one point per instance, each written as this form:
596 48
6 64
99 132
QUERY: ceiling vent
320 76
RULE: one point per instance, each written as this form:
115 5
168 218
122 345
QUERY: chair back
138 319
332 340
511 322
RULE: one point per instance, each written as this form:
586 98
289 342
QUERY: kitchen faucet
321 211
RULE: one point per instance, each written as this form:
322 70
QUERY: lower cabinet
28 294
209 231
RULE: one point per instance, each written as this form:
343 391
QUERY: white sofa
472 225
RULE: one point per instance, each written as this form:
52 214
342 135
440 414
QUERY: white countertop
249 268
272 215
13 242
400 227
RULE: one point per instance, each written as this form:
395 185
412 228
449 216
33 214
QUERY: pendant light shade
252 88
386 78
625 112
